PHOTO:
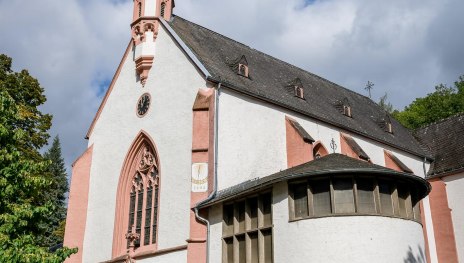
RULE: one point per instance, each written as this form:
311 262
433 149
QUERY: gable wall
173 83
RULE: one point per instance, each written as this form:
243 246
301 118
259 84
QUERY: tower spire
144 28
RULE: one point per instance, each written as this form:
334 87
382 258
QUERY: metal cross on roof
369 87
333 145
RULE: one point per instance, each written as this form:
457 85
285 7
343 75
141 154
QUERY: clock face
143 104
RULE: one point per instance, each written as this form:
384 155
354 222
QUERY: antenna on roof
369 87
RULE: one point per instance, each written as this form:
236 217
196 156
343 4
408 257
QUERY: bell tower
144 28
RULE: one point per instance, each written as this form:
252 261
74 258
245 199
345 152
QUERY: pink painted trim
142 26
202 139
298 151
122 199
320 149
142 66
148 254
442 222
345 147
108 92
136 9
390 163
168 9
77 205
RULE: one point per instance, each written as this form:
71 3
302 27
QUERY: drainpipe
213 193
423 166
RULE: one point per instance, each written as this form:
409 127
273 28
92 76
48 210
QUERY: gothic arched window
136 222
319 150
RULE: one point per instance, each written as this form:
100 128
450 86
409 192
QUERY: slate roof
445 139
328 165
270 77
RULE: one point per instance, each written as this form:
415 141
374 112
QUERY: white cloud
73 47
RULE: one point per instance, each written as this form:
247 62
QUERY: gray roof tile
446 142
269 78
328 165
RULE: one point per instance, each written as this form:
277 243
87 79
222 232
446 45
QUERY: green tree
23 180
56 194
385 104
444 102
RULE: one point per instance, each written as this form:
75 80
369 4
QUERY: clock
143 104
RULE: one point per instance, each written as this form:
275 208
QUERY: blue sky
73 47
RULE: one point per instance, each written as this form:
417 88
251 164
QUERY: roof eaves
294 176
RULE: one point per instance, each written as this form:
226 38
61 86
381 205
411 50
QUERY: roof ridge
274 58
459 114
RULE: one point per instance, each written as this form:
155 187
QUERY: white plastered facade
172 78
454 186
332 239
260 150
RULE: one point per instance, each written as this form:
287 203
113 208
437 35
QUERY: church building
205 150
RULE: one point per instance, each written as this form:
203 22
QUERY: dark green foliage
23 180
56 194
443 103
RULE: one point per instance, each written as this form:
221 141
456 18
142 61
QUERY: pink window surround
140 171
319 150
139 9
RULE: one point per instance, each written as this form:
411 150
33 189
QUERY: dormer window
299 92
243 70
389 127
386 124
346 107
297 86
347 111
163 8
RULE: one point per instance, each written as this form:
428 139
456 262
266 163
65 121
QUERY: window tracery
137 199
144 200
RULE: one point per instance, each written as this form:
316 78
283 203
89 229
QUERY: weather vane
333 145
369 87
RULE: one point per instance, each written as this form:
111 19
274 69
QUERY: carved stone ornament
142 26
131 236
129 259
147 161
142 66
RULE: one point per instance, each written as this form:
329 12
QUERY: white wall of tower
150 7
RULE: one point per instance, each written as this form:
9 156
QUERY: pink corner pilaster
77 206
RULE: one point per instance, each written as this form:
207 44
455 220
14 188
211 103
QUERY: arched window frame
140 172
319 150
